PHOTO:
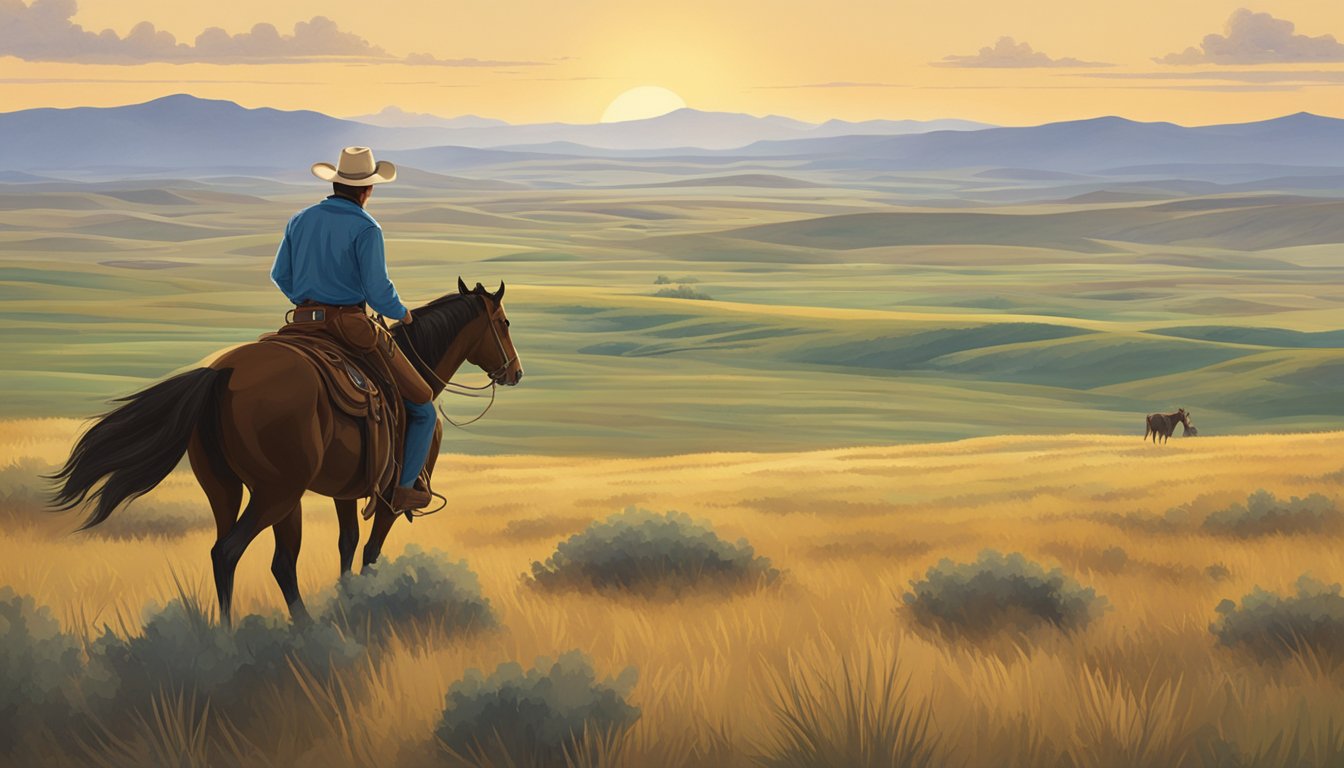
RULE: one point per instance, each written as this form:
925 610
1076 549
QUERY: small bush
683 292
184 651
1112 560
995 592
1271 626
1218 572
1263 515
538 717
662 280
419 591
638 550
39 664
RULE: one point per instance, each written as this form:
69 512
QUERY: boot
409 498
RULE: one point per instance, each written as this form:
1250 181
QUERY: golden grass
1146 685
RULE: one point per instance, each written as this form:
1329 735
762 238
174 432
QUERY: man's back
333 253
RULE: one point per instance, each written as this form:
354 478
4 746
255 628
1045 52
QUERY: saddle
360 385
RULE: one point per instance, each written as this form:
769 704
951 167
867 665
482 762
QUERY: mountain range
201 136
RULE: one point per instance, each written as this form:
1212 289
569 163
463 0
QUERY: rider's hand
407 319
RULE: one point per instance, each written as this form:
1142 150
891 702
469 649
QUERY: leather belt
317 313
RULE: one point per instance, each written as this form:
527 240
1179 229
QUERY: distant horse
259 416
1188 430
1163 424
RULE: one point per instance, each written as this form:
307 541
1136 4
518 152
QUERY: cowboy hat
356 168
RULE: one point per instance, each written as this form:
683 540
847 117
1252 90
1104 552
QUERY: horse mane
435 326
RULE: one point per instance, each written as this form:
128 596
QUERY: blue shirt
332 253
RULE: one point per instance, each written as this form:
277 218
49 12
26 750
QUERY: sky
1011 63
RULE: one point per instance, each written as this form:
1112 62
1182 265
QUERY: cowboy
331 264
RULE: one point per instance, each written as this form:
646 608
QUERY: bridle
466 390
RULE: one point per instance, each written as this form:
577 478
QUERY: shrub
183 650
538 717
662 280
38 665
642 551
998 591
1263 514
1271 626
1112 559
419 590
683 292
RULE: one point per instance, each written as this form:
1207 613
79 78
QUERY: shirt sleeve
378 289
282 273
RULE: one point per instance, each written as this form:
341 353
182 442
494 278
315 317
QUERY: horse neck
1175 417
442 362
456 354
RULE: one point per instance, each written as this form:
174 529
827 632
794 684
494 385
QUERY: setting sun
642 103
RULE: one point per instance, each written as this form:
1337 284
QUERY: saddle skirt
355 391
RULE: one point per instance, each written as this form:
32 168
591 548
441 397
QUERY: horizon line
355 118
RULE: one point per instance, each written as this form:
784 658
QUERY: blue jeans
420 421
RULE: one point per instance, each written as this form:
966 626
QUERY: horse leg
222 487
284 565
383 519
347 515
267 507
373 548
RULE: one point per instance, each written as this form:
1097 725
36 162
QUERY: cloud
46 31
1235 76
1258 38
318 37
1008 53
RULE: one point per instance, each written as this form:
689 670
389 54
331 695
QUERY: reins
462 390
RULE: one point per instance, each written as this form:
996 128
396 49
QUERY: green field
837 309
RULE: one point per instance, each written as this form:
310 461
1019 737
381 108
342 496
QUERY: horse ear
499 295
461 286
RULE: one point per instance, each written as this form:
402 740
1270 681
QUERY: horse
1163 424
259 416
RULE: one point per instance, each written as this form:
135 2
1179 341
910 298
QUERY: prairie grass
828 657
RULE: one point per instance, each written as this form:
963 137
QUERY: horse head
494 351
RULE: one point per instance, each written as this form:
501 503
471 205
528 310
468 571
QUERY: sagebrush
1000 591
419 591
543 717
1264 514
639 550
1272 626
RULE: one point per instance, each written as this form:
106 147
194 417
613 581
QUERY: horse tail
133 448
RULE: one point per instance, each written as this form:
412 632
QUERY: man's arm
282 273
378 288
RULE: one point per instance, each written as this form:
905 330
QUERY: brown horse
259 416
1163 424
